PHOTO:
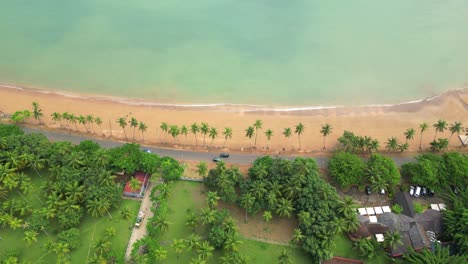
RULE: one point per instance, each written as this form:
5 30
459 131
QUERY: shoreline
377 121
216 106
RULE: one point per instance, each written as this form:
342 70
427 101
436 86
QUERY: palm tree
257 125
213 134
205 250
202 169
204 130
392 239
212 199
208 215
90 120
125 213
409 134
160 254
351 223
178 246
422 127
326 130
56 117
392 144
249 132
134 124
98 121
232 242
122 121
102 247
164 128
455 128
73 120
287 132
440 126
142 127
30 236
403 147
267 216
82 120
192 242
37 112
284 207
161 224
297 236
284 257
194 129
373 146
227 133
66 117
191 220
110 232
347 206
184 131
174 131
268 134
299 130
135 184
247 201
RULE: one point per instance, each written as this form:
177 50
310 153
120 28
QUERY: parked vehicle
216 159
454 189
430 193
147 151
140 217
417 192
382 191
411 190
424 191
224 155
368 190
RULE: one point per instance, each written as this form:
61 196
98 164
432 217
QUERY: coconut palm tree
37 112
66 117
347 206
422 127
191 220
161 224
287 132
30 236
178 246
257 125
212 199
174 131
249 132
73 120
227 133
205 250
98 121
213 133
297 236
267 216
247 201
403 147
284 207
135 184
56 117
102 247
440 126
455 128
392 239
352 223
232 242
299 130
184 131
134 124
122 121
284 257
202 169
392 144
326 130
409 134
160 254
207 215
164 128
125 213
82 121
268 134
110 232
194 129
90 120
204 130
192 242
142 127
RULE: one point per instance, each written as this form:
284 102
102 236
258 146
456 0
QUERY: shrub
418 208
8 130
396 208
70 237
346 169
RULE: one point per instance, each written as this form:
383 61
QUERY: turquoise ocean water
272 52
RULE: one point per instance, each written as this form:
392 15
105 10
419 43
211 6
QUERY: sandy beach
377 121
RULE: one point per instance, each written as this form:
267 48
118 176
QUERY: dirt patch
279 229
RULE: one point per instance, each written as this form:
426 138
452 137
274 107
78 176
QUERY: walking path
140 232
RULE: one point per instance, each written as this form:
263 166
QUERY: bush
418 208
396 208
8 130
346 169
70 237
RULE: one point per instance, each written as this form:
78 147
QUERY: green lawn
187 196
344 248
12 240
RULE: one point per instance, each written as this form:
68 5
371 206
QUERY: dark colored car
216 159
224 155
454 189
368 190
430 193
424 191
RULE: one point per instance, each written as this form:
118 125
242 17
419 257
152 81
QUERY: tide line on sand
228 107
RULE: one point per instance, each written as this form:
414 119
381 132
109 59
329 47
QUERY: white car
417 192
411 190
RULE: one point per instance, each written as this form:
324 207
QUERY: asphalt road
235 158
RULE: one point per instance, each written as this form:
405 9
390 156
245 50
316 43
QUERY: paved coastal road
236 158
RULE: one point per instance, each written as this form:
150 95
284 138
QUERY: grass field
344 248
188 196
12 240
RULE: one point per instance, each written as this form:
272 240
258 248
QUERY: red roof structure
143 178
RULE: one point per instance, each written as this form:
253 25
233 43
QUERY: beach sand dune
377 121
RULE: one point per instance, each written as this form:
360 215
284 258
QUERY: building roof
404 200
142 178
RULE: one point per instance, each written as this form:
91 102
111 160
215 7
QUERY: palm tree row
203 128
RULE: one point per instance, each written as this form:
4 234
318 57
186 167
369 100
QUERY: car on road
147 151
411 190
216 159
368 190
224 155
140 217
